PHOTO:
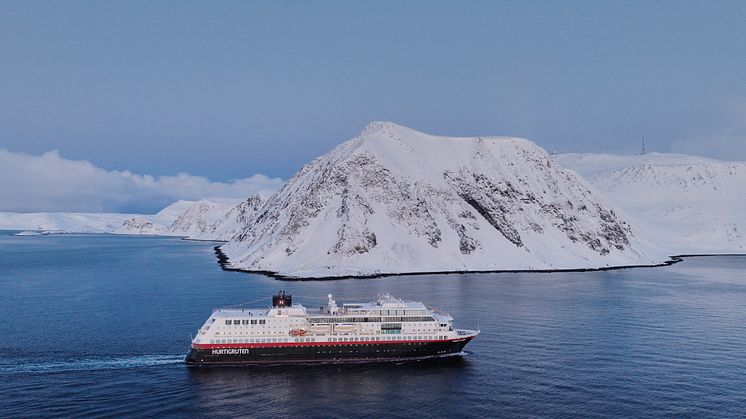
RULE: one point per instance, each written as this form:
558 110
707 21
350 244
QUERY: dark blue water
98 325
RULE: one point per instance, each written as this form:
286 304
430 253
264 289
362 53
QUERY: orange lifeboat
297 332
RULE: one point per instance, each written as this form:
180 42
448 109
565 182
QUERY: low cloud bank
50 183
726 143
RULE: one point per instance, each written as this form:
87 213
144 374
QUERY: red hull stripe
366 342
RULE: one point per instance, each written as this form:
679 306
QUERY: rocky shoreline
224 261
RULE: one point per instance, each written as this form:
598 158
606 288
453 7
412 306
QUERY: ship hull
318 352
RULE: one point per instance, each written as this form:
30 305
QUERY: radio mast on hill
643 145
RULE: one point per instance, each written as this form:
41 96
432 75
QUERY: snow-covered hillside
589 164
169 214
200 219
83 222
397 200
140 225
207 219
233 221
63 221
686 204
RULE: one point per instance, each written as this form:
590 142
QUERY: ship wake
90 364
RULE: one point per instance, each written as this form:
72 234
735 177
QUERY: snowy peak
398 200
376 127
387 131
427 155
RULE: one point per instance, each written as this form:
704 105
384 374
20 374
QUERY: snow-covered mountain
686 204
140 225
397 200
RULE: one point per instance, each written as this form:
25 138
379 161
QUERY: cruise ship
383 330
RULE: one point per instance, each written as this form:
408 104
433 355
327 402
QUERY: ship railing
437 310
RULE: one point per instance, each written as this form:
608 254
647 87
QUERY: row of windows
266 340
252 333
263 340
338 350
375 338
339 320
400 312
245 321
341 339
370 319
354 310
354 339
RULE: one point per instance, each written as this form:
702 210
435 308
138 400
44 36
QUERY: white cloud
52 183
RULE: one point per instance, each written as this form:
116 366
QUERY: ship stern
194 357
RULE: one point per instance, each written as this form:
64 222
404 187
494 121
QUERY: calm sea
98 325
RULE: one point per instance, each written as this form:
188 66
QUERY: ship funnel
282 300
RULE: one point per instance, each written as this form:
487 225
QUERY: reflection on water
89 321
335 390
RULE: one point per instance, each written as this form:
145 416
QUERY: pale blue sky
229 89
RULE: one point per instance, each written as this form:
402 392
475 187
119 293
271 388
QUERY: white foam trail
93 364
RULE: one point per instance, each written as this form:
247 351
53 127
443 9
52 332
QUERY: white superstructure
387 319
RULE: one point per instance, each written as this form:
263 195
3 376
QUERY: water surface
99 325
